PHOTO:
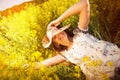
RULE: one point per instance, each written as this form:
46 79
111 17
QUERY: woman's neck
69 45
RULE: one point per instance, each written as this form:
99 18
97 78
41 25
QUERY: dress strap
64 57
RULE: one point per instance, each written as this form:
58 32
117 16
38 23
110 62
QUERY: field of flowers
21 32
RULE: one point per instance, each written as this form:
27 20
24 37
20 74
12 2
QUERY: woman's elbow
84 3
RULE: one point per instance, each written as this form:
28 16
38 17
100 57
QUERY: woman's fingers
54 23
37 65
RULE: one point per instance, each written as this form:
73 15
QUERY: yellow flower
86 58
2 41
77 75
95 63
77 68
109 63
56 77
105 77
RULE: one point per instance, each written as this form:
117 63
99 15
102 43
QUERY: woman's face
61 38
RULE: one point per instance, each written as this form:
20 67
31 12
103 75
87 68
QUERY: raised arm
75 9
82 8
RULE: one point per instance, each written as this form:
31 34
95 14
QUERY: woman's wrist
58 20
83 28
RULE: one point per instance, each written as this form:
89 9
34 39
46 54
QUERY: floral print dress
96 58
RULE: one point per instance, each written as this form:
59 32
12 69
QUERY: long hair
116 74
58 47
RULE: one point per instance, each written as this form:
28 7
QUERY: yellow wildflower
77 75
85 59
109 63
77 68
95 63
105 77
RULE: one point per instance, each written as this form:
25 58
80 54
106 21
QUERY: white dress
96 58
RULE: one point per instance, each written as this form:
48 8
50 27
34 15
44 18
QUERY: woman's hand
53 23
37 65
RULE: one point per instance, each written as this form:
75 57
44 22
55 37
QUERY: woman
96 58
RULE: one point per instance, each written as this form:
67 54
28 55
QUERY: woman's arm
84 17
53 60
75 9
82 8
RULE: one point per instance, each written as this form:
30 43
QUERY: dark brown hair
58 47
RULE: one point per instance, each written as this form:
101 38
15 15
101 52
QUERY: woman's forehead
60 34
